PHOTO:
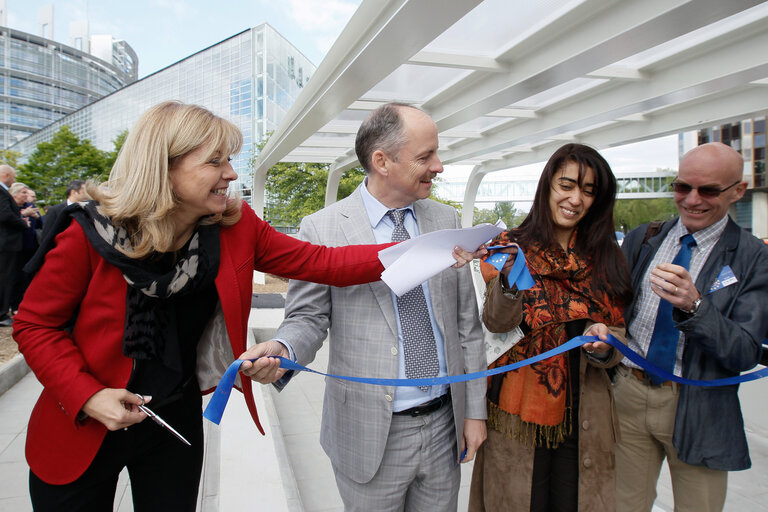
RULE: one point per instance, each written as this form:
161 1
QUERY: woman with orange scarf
552 425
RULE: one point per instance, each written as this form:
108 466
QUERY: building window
758 143
291 74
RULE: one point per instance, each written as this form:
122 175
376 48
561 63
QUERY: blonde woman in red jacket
148 293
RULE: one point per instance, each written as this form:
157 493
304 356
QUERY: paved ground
287 471
299 409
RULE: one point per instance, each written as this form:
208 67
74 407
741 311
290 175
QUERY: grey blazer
363 337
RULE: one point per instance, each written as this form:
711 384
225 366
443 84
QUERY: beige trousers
647 421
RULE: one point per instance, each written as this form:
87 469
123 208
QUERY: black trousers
164 472
10 273
23 279
555 483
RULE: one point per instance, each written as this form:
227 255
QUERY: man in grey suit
391 448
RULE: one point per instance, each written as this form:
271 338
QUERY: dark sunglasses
684 188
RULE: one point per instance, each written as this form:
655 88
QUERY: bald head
713 166
7 175
724 157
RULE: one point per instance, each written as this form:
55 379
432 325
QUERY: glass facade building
251 79
748 137
42 80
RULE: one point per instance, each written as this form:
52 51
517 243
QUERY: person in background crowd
75 192
29 244
12 225
155 278
551 428
31 215
699 312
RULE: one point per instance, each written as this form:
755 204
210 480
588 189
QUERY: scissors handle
160 421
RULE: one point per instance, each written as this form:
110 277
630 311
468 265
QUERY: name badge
725 278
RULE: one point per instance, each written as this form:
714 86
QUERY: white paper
410 263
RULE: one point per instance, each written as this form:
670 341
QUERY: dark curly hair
596 239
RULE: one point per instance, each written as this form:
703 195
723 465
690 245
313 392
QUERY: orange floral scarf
537 394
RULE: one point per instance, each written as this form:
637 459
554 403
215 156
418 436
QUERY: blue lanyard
215 408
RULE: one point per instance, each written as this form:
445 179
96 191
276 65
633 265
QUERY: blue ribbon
519 274
215 408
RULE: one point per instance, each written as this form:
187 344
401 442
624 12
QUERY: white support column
470 194
760 214
257 192
332 186
338 169
257 203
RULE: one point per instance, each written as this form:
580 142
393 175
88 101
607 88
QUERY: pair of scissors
160 421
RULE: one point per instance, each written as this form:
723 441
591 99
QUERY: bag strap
653 229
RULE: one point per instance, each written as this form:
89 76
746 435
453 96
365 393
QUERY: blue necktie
663 349
419 349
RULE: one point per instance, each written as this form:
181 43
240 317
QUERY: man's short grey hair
382 130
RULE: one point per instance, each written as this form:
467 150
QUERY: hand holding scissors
119 408
160 421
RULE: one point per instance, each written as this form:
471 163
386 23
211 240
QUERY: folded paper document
410 263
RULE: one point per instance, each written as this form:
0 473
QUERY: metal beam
680 80
608 34
346 73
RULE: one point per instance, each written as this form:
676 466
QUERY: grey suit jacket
363 338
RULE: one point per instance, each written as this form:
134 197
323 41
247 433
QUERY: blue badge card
725 278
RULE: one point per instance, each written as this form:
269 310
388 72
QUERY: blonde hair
138 195
16 188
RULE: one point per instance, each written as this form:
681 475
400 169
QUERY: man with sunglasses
701 289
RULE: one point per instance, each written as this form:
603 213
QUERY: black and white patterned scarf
150 319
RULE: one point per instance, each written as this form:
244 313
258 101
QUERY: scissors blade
160 421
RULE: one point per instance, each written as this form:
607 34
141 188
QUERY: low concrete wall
12 372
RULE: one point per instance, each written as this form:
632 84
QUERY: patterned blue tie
663 349
419 350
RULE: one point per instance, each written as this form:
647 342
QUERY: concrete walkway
286 470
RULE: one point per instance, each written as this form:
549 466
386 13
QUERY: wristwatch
694 307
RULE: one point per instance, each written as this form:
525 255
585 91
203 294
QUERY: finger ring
675 290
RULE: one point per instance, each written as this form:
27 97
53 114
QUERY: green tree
504 210
630 213
295 190
52 165
9 157
117 144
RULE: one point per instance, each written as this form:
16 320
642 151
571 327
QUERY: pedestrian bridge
642 185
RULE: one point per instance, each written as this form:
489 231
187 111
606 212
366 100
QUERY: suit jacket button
587 463
585 424
388 397
394 351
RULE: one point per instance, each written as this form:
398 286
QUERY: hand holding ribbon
517 273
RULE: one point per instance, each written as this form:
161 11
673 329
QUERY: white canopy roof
507 81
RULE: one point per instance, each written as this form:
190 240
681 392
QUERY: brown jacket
597 422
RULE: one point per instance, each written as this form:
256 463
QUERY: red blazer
72 368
